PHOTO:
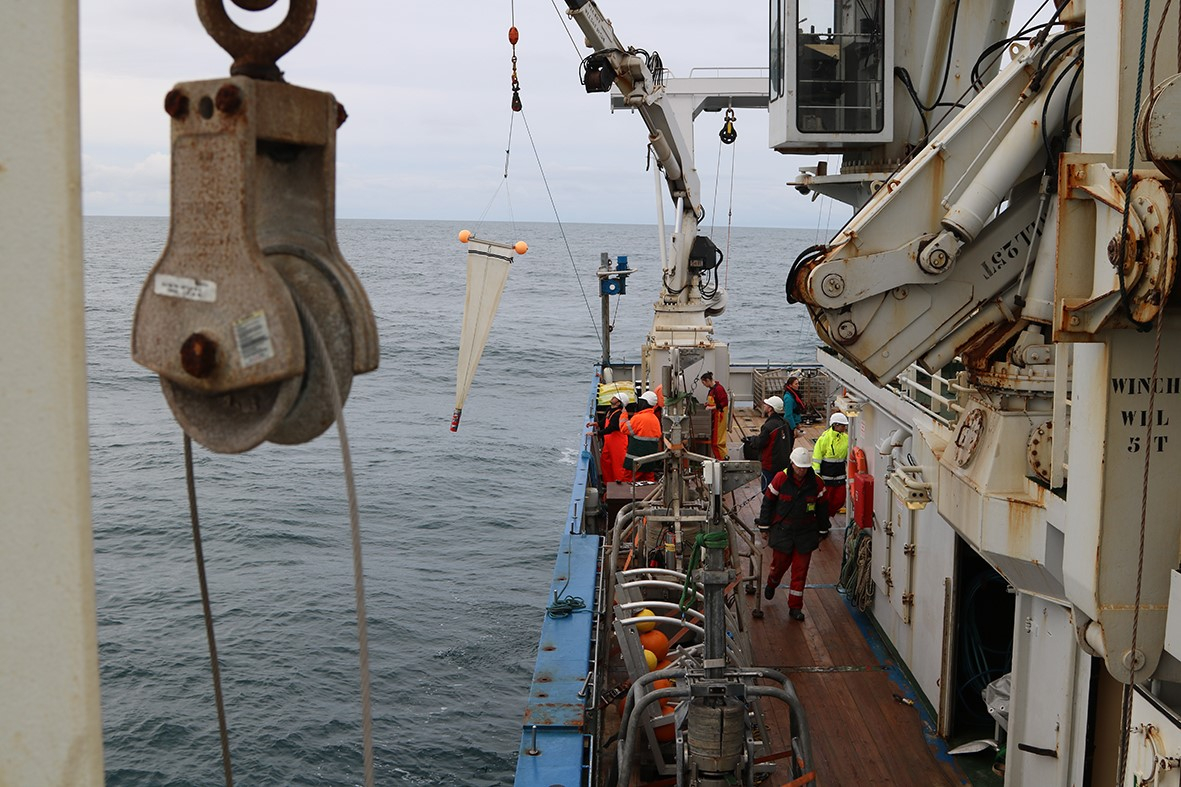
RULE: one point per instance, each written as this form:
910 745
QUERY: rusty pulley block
252 275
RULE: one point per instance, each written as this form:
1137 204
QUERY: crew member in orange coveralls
645 433
615 440
717 401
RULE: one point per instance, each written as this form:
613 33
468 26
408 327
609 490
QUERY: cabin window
840 83
778 44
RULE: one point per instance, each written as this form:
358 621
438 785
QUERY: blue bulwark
553 746
563 661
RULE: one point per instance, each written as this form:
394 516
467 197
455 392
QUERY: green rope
565 606
718 539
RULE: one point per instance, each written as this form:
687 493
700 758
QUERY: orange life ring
857 462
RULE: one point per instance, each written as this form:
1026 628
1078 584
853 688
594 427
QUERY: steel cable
355 533
207 611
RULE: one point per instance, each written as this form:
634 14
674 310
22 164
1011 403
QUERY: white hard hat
801 458
649 397
838 418
623 398
776 403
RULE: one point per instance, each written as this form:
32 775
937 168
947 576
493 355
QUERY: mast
50 730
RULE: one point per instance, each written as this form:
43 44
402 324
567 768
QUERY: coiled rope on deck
856 571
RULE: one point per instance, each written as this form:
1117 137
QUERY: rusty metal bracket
251 261
1090 214
255 54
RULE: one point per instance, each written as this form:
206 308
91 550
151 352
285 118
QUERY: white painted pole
50 725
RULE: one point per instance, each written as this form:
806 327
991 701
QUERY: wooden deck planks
860 734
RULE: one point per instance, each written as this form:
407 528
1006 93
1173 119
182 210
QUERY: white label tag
254 339
184 287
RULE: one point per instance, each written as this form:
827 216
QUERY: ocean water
460 530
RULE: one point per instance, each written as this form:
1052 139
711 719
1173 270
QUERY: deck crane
668 106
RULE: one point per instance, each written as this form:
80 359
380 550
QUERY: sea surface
460 530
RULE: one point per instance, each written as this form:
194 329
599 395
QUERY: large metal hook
254 53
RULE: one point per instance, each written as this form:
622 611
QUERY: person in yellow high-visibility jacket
829 460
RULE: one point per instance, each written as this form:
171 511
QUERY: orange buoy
666 732
520 247
513 35
655 642
465 236
663 683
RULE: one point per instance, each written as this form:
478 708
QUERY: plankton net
488 264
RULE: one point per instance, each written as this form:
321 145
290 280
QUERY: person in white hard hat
772 445
830 459
793 512
644 432
613 428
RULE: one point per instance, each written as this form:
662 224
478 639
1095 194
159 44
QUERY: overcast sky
427 89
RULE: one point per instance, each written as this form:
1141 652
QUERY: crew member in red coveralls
793 514
717 401
613 429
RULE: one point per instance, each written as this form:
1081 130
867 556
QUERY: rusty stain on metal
554 714
228 99
198 355
176 104
1020 521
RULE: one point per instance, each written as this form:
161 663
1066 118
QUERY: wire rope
562 230
207 612
355 535
729 217
1123 235
566 27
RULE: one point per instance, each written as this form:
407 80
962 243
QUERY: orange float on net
465 236
520 247
513 35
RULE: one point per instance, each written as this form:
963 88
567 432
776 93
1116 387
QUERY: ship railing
938 396
944 398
